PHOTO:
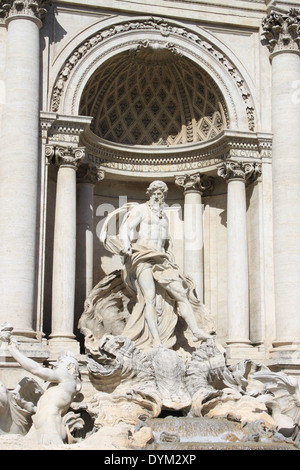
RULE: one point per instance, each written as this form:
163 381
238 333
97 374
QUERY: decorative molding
62 130
67 157
166 29
229 145
233 170
281 31
89 174
194 182
32 8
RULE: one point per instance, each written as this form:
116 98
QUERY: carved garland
165 28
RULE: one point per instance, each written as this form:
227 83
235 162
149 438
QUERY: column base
285 355
63 344
241 351
25 335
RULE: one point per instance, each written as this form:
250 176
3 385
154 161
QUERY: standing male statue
149 262
149 300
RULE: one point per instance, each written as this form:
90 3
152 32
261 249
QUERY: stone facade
96 102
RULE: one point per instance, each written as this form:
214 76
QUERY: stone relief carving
282 31
136 53
166 29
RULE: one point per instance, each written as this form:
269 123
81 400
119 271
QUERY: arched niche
115 37
153 96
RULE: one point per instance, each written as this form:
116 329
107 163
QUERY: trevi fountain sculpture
153 366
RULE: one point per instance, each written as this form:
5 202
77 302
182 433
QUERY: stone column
236 174
64 252
193 187
19 166
87 176
282 36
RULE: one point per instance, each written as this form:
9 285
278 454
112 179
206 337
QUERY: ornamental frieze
228 145
155 169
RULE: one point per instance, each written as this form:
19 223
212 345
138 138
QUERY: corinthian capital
230 170
89 174
282 31
65 156
195 182
33 8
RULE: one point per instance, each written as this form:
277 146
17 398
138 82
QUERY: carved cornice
32 8
62 130
282 31
89 174
232 170
229 145
194 182
67 156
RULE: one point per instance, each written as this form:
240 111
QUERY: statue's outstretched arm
31 366
28 364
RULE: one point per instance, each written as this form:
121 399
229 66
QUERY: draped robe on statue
164 271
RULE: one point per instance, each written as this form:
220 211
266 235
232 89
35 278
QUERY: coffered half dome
153 96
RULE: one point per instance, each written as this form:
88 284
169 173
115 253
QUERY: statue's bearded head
157 192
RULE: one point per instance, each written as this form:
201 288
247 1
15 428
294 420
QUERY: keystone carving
282 31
